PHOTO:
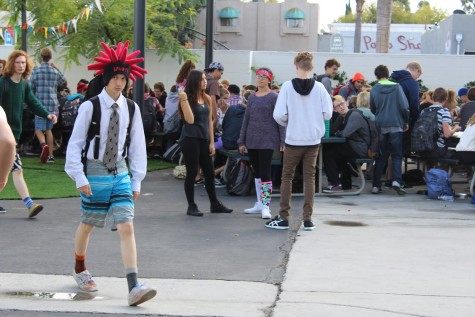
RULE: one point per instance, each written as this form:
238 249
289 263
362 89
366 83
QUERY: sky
330 10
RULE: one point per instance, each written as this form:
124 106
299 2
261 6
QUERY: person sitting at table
336 156
362 103
467 109
466 145
444 123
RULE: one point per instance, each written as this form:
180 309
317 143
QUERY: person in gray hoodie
337 155
302 106
391 109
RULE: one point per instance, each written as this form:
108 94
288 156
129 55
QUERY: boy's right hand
86 190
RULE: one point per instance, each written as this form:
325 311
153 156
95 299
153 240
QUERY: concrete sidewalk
370 255
382 255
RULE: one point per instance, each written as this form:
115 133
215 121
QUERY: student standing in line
197 141
261 136
107 190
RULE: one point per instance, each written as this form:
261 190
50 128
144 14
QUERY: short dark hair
234 89
159 85
440 94
381 71
471 94
332 62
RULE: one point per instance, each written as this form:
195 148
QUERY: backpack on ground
337 90
173 154
149 117
173 124
94 131
241 179
439 185
69 112
426 131
414 177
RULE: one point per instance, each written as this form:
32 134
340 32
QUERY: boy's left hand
135 195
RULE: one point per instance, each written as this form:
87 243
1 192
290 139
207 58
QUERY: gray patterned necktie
111 151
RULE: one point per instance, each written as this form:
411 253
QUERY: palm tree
359 18
383 25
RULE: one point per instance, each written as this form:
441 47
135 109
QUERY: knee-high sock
257 181
266 191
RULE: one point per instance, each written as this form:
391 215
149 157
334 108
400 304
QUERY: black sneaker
194 211
200 181
2 210
308 225
218 208
278 223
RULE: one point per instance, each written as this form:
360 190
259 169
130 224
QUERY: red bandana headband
264 72
118 58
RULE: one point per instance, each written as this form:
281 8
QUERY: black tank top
200 128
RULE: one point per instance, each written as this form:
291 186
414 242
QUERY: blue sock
28 202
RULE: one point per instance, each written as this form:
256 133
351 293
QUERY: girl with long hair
261 135
197 141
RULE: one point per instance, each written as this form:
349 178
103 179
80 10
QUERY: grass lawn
50 180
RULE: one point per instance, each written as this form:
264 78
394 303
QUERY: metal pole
23 23
209 32
139 43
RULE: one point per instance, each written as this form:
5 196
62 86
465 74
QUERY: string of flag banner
61 28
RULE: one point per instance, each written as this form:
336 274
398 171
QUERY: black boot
194 211
218 208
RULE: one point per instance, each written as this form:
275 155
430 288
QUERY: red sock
80 264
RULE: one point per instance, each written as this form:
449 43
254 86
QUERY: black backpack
149 117
68 113
241 179
94 130
426 131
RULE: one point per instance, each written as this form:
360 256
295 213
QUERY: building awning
295 14
228 13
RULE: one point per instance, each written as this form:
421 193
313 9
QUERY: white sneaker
266 212
254 210
85 281
139 294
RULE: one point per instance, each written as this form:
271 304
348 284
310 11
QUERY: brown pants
292 157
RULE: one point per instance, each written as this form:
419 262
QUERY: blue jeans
391 144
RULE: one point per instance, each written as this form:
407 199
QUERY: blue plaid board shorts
111 200
43 124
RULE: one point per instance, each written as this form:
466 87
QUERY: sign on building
336 43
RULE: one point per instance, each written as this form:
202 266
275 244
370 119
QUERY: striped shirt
45 81
443 115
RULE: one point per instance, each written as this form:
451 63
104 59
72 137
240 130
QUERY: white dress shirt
137 155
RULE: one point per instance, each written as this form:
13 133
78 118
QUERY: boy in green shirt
14 92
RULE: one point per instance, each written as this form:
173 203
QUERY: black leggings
261 161
196 152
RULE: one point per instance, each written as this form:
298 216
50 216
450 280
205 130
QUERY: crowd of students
256 121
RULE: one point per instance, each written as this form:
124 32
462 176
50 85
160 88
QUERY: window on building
228 17
295 18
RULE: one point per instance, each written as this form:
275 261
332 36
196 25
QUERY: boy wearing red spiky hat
107 191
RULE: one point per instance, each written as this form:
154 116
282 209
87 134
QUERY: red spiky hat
117 61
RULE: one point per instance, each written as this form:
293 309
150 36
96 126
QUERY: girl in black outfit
197 141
